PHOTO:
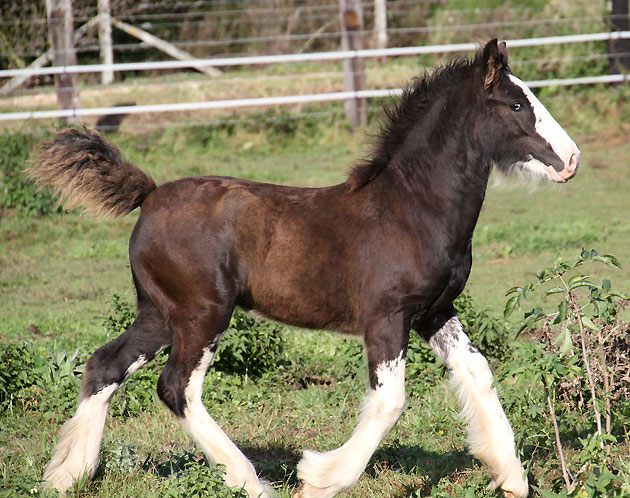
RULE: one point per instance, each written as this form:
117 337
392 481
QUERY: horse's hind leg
195 339
76 453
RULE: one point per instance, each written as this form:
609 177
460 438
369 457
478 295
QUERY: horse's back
262 246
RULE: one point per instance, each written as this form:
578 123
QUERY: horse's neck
445 188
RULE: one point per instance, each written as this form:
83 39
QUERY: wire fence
323 66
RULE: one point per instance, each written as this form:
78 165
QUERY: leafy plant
250 347
489 334
189 477
18 362
120 317
35 378
573 363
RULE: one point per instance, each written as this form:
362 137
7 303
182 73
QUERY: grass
58 274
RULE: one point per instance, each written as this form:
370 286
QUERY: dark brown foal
386 251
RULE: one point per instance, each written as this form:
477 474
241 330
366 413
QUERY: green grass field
58 275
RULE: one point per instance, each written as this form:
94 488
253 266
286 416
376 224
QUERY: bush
571 395
120 316
18 192
17 362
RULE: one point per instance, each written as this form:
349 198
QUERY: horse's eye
516 106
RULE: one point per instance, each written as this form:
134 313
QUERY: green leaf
613 261
563 309
578 278
513 290
620 295
588 323
550 494
510 305
555 290
582 284
565 341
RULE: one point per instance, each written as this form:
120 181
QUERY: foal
384 252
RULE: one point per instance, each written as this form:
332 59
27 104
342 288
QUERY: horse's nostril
574 162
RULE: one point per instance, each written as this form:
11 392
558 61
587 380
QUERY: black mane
407 112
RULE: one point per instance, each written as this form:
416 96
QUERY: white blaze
549 129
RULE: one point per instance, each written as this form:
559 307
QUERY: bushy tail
88 172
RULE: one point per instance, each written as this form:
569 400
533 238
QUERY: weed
35 379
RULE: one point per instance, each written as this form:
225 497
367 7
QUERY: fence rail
269 101
292 58
309 57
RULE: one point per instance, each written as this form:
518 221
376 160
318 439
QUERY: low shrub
571 398
34 378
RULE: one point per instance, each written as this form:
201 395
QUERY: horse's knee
102 369
171 391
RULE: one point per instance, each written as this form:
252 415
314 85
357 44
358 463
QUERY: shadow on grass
415 460
278 464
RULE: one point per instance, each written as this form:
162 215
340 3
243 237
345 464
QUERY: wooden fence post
351 14
619 49
44 59
380 24
61 32
105 39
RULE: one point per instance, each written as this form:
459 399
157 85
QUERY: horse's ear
495 61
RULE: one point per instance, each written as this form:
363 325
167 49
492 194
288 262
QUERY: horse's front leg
330 473
490 437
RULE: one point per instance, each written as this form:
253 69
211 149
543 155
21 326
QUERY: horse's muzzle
569 171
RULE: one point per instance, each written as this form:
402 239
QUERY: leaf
578 278
510 305
563 309
513 290
620 295
582 284
565 341
554 290
613 261
588 323
550 494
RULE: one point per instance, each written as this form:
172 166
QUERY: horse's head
520 135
